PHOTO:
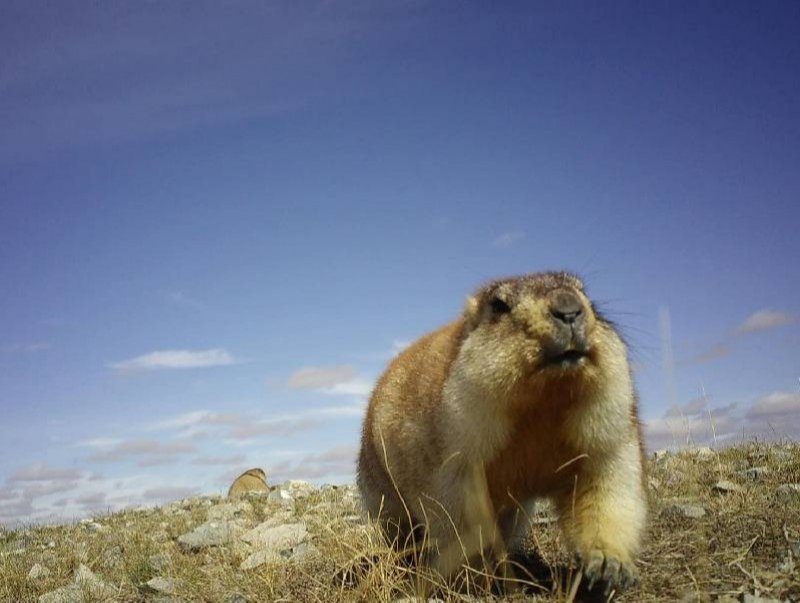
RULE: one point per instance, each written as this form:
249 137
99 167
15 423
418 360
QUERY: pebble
787 493
164 586
754 473
727 486
280 496
38 572
211 533
683 510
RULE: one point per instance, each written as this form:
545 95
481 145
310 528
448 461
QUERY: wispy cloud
279 427
26 348
168 493
693 423
319 377
99 442
777 404
507 239
142 448
175 359
39 472
236 459
720 350
198 417
339 461
762 320
341 380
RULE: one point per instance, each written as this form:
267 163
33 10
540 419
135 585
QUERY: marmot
528 394
252 480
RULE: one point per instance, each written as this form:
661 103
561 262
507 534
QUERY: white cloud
398 345
175 359
236 459
168 493
341 380
142 448
99 442
507 239
321 377
354 387
775 405
276 427
692 423
720 350
40 472
196 418
337 462
764 319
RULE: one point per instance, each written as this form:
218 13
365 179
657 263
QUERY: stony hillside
725 527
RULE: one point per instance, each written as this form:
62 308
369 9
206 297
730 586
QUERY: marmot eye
499 306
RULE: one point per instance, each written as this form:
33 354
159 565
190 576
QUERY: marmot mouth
568 358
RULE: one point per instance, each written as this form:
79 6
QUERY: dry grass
747 542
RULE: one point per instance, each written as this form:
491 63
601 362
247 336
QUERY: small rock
276 544
726 599
302 550
754 473
276 538
113 557
660 455
92 526
235 598
704 453
163 585
211 533
158 562
65 594
298 488
727 486
787 565
747 598
229 511
280 496
86 582
259 558
86 578
788 493
38 572
683 510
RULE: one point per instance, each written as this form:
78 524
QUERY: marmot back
527 395
252 480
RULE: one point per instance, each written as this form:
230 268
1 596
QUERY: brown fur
494 410
252 480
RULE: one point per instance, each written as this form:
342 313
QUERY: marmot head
256 472
540 326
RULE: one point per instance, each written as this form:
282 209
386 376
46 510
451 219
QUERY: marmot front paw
608 571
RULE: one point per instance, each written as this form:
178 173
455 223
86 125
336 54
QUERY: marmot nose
566 307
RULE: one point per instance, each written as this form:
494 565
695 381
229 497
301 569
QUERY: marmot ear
471 311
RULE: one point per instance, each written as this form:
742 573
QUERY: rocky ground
725 527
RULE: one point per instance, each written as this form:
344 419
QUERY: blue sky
217 224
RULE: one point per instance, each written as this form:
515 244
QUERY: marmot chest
536 460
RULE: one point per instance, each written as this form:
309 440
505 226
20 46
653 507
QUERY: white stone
38 571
